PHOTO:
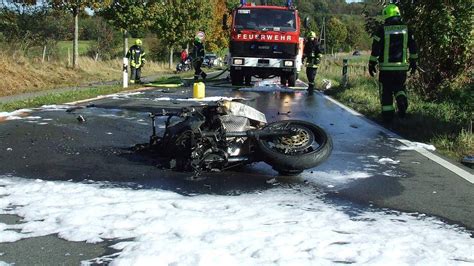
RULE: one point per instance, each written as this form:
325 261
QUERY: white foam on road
205 99
411 146
15 115
279 226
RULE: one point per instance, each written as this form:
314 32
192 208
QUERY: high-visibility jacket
312 53
391 44
198 51
136 56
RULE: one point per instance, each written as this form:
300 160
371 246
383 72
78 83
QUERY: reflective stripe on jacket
391 44
312 53
136 56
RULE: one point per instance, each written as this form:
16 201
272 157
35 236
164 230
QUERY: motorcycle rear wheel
290 155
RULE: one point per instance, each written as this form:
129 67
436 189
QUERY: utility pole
322 35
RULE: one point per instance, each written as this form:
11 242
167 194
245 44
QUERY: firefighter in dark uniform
136 57
198 56
312 54
390 47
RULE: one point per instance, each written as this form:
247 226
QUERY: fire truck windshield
265 19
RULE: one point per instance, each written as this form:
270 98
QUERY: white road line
453 168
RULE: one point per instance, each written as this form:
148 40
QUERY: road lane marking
451 167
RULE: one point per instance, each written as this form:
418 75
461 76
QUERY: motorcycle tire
289 155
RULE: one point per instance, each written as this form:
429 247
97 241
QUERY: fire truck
265 42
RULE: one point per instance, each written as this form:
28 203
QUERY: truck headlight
238 61
288 63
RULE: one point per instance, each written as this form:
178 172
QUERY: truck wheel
283 80
236 77
292 80
248 79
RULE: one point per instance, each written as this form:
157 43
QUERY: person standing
136 57
198 56
312 54
390 47
184 56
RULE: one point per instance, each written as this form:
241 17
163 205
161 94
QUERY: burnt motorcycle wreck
225 134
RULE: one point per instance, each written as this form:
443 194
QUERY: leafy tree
336 33
217 38
128 16
444 32
231 4
357 37
106 40
177 21
75 7
28 26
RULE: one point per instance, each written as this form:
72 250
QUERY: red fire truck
265 42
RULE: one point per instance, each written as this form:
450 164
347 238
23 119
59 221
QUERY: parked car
210 60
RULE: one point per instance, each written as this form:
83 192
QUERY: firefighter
312 54
390 47
136 57
198 56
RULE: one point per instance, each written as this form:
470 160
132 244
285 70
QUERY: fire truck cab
265 42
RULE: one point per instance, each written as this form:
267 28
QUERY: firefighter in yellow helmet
312 54
394 51
136 57
197 55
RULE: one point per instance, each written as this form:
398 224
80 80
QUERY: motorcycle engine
209 154
234 123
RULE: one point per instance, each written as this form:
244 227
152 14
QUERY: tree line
443 28
173 22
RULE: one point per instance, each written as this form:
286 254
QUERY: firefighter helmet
391 10
138 42
199 36
312 34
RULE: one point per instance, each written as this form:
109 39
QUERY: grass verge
62 97
446 124
30 75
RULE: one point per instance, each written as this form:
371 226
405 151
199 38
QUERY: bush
32 26
106 43
444 34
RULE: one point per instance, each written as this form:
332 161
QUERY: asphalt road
99 149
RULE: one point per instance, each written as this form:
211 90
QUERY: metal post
345 76
125 72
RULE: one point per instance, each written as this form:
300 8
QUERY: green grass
63 47
62 97
446 124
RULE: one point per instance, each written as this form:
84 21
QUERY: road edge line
446 164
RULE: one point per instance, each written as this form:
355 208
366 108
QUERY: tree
75 7
177 21
217 38
336 33
128 16
106 39
444 32
28 25
357 38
